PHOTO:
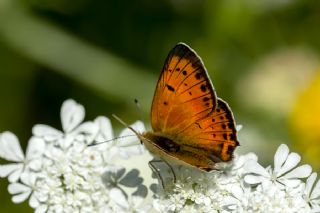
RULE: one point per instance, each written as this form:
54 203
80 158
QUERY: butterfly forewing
184 92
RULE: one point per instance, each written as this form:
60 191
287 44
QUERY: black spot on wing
198 125
223 126
198 75
230 125
170 88
205 99
225 136
232 136
230 149
203 87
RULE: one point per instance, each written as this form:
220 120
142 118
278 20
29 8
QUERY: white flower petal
127 140
118 197
105 129
240 161
72 114
309 183
15 175
299 172
41 209
292 160
126 152
35 149
108 156
238 127
19 198
280 156
144 209
316 191
291 183
137 201
66 141
88 129
131 139
28 178
252 179
237 192
5 170
17 188
10 148
138 126
254 167
35 164
230 202
315 209
46 132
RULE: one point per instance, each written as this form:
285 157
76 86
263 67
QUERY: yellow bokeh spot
304 122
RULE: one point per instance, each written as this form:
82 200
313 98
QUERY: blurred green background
262 56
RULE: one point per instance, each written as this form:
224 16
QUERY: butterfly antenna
100 142
138 106
126 125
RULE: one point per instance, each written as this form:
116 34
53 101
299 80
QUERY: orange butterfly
190 124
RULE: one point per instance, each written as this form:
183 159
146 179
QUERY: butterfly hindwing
184 92
215 134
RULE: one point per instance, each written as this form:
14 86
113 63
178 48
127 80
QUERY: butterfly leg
156 171
172 171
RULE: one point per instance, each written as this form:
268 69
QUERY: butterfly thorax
156 140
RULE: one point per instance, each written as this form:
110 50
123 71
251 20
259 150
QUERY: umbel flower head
61 172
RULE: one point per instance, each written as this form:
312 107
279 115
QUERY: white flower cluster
62 172
245 186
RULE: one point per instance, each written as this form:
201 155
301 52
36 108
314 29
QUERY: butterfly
191 125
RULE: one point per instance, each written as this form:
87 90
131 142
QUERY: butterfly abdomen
169 150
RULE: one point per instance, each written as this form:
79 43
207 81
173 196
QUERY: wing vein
182 70
182 56
187 77
193 86
216 123
192 99
194 122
